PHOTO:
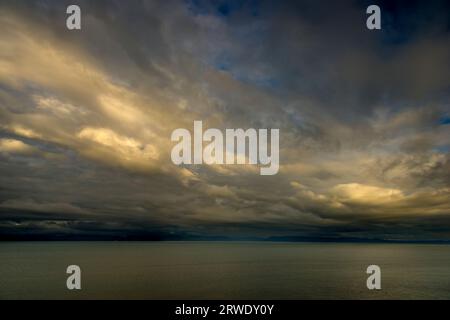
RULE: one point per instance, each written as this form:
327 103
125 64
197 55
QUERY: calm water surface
222 270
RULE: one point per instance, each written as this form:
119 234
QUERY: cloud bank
86 119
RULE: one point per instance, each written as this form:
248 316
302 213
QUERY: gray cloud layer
86 118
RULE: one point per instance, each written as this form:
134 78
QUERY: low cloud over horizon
86 119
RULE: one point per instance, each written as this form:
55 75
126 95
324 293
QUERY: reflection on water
223 270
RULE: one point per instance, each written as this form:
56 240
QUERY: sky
86 118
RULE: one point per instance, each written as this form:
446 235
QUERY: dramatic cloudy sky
86 118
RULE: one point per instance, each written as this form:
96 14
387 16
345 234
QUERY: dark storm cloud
86 118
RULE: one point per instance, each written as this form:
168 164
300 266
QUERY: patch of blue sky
442 148
224 8
445 120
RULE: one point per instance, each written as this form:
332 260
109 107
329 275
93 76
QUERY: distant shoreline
310 241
